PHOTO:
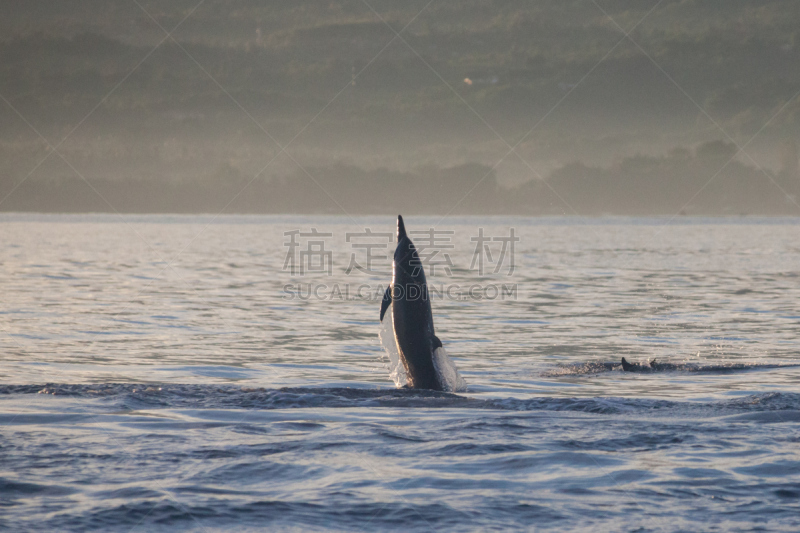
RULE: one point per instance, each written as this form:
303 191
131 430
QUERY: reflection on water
191 317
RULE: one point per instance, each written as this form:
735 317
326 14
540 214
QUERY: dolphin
652 366
634 367
420 349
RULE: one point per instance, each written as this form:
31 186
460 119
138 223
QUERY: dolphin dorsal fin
401 228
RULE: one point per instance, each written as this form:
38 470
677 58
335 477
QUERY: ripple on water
135 399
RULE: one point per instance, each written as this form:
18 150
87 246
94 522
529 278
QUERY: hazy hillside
211 110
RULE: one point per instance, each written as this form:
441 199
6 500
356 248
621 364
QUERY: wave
128 396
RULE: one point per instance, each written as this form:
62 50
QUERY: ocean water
162 373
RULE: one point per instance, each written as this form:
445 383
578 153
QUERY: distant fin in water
627 367
596 367
638 367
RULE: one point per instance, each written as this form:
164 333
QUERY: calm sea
225 373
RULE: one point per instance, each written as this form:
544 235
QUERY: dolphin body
412 319
652 366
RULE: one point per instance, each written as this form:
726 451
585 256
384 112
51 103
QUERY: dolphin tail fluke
401 228
387 299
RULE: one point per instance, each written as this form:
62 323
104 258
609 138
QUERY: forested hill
213 104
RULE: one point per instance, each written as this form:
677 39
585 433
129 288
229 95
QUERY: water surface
157 373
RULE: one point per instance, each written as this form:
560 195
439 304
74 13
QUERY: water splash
445 368
449 377
396 370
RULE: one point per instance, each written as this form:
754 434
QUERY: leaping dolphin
427 365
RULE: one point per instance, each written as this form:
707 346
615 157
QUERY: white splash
449 377
396 370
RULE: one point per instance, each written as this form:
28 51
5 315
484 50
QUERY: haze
352 107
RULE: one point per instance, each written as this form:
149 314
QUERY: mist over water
202 394
559 107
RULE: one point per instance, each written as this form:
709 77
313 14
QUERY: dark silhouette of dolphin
635 367
652 366
412 319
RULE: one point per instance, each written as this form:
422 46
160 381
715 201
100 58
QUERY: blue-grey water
162 373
